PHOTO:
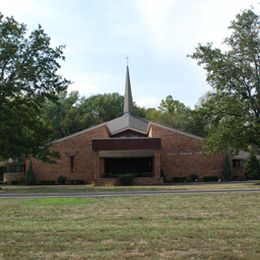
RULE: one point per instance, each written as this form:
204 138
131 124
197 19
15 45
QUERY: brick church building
153 153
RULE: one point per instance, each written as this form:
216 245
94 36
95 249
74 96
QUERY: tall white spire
128 100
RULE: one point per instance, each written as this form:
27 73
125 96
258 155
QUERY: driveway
121 193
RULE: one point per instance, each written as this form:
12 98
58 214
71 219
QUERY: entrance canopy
113 144
126 154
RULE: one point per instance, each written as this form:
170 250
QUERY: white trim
175 131
78 133
128 128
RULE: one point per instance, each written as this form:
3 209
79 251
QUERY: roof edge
128 128
176 131
78 133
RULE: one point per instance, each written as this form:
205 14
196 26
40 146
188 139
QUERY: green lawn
206 226
92 188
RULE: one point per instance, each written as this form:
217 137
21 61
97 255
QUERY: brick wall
18 177
181 154
79 144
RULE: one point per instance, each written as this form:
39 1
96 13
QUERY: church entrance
139 167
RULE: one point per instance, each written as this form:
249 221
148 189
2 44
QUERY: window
236 164
14 169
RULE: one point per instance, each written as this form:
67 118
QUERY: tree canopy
72 112
175 114
233 107
28 77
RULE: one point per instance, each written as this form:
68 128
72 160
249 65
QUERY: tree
102 108
29 175
171 105
28 77
252 166
175 114
233 106
72 113
153 114
64 116
227 170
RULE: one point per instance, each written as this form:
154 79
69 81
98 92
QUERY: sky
156 35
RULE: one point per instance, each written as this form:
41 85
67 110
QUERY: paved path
120 193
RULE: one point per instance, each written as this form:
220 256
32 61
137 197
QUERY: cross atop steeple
128 100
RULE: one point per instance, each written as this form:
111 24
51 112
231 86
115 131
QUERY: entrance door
140 167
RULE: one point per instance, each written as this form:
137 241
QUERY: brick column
101 167
96 168
157 163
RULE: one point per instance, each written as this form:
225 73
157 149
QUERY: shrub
144 174
29 176
110 175
126 179
179 179
76 182
47 182
61 180
227 171
194 177
252 167
238 178
14 182
210 178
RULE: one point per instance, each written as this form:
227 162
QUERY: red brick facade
79 145
180 155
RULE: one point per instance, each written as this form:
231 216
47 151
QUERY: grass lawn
201 226
92 188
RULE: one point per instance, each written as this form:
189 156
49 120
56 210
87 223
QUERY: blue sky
157 35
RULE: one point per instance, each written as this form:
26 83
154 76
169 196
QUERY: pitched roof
243 155
127 121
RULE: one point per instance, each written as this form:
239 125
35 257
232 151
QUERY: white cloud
94 83
148 102
175 27
27 8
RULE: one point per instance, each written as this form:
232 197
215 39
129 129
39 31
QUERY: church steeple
128 100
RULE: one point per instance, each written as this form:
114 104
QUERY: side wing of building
182 155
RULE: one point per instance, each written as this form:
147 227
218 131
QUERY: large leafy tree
28 77
102 107
175 114
233 107
72 113
63 116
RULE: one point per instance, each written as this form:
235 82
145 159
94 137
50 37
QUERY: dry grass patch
92 188
208 226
